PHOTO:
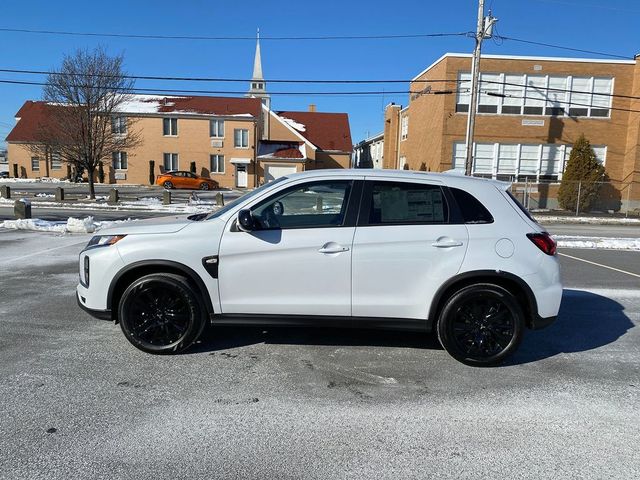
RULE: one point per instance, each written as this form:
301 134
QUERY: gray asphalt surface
79 402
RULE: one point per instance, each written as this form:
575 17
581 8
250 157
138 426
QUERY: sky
600 25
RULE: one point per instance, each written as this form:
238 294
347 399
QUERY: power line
561 47
217 79
229 92
252 38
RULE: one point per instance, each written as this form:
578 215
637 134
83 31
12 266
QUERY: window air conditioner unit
216 143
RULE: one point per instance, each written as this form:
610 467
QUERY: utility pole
483 30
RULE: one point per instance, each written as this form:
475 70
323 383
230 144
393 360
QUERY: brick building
530 112
239 142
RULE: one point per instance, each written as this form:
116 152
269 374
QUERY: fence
580 198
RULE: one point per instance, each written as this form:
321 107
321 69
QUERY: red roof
207 105
327 131
32 115
279 149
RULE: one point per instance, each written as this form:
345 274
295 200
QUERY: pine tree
582 172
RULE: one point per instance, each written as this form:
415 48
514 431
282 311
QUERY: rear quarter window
471 209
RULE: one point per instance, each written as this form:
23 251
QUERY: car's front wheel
204 186
161 313
481 325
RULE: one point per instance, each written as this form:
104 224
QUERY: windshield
244 197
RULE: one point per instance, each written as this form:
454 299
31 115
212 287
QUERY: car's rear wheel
481 325
204 186
161 313
168 185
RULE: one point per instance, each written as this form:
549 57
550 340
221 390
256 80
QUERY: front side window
170 161
241 138
216 128
170 126
119 160
312 205
217 164
35 164
402 203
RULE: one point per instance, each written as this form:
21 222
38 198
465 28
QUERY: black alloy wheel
168 185
204 186
481 325
161 313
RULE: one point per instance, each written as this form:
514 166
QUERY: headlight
104 240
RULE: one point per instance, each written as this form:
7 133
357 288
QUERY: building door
241 176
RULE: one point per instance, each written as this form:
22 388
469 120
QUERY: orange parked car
190 180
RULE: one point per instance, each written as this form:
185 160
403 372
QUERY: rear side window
402 203
470 207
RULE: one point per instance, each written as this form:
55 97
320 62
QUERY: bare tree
86 94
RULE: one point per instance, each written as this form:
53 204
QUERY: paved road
79 402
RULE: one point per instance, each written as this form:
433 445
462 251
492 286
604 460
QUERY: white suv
396 249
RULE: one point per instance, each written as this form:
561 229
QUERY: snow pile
45 195
293 124
72 225
587 220
604 243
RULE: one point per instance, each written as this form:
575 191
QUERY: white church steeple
257 86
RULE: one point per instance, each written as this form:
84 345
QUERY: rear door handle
446 243
332 247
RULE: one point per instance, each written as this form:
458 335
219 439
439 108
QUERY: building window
520 162
523 94
170 126
35 164
119 160
119 125
404 127
171 161
216 128
56 162
241 138
488 99
217 163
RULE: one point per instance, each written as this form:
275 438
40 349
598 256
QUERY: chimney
312 107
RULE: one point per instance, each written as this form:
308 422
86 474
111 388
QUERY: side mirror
245 221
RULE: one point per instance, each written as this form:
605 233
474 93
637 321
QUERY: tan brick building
530 112
239 142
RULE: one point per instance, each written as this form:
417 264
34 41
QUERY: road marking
42 251
599 265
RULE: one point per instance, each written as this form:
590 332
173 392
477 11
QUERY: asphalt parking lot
79 402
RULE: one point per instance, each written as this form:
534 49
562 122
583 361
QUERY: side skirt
405 324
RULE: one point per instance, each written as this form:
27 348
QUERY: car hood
170 224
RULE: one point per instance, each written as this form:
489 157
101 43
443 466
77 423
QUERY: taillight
544 242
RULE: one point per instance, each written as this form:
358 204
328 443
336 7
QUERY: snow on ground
604 243
153 204
72 225
587 220
33 180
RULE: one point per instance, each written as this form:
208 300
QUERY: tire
204 186
147 307
481 325
168 185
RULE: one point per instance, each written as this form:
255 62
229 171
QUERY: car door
404 248
298 259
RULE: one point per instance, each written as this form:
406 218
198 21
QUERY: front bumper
99 314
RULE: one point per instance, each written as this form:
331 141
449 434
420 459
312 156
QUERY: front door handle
332 247
446 242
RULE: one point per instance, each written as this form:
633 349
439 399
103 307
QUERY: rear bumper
99 314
